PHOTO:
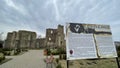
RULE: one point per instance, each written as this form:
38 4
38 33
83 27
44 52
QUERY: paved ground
30 59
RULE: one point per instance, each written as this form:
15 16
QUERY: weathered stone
27 40
55 37
40 43
10 41
20 40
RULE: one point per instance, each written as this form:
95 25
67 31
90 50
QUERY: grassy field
99 63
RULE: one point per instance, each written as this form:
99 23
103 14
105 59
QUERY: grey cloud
37 15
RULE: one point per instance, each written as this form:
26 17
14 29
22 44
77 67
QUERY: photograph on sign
86 41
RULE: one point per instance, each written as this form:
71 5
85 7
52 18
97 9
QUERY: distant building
40 43
21 39
10 41
27 39
55 37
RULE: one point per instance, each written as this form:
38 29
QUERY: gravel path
30 59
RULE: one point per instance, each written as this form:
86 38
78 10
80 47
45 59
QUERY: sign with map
89 41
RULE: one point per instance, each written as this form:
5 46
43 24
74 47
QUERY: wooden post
117 62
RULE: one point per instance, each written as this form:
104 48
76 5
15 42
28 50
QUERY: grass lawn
100 63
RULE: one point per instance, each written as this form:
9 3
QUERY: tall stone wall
33 40
10 41
51 37
60 41
24 39
21 39
55 37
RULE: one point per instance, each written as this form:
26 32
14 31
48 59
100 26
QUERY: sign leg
67 63
117 62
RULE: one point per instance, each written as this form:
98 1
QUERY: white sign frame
89 35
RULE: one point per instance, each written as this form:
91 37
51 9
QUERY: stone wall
27 39
10 41
51 37
60 41
40 43
55 37
21 39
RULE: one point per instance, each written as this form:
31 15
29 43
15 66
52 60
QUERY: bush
6 52
1 50
56 51
7 49
59 66
62 56
17 53
61 51
48 51
2 57
57 60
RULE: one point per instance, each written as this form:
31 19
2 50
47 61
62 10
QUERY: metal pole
117 62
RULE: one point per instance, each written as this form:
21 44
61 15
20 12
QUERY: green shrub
64 56
56 51
2 57
16 53
6 52
57 60
59 66
48 51
61 51
7 49
60 56
1 50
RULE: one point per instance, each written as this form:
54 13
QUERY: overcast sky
37 15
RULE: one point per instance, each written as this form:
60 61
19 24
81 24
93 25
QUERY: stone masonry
55 37
28 40
40 43
21 39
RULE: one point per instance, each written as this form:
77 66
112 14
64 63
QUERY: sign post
117 62
67 63
89 41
